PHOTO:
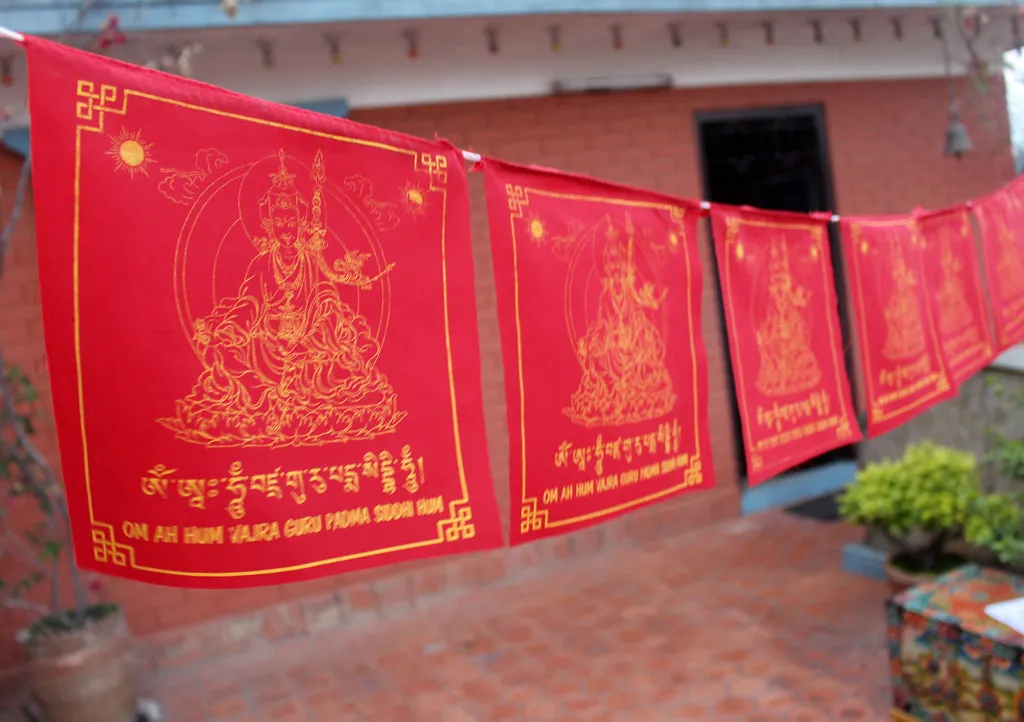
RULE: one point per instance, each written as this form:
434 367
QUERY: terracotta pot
900 580
87 675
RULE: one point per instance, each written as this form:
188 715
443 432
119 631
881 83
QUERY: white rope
6 33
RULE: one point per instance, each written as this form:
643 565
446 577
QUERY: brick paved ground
747 620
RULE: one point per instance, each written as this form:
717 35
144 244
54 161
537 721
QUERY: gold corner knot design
843 429
531 518
105 548
876 413
95 102
756 463
517 200
694 474
436 165
459 526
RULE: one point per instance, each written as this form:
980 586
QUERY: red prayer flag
950 260
904 368
599 290
1001 218
785 340
261 331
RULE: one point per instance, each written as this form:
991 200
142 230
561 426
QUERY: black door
776 159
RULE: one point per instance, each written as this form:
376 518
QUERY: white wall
454 63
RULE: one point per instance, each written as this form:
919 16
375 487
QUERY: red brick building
852 124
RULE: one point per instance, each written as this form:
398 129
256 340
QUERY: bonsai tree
920 503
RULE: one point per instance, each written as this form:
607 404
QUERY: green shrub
920 502
996 523
1007 452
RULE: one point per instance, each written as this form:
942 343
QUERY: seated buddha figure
954 311
287 362
788 364
904 330
1009 262
622 354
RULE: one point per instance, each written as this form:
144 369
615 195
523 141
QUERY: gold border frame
91 110
534 517
817 233
876 416
968 235
1005 320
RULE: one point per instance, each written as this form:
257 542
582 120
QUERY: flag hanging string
468 155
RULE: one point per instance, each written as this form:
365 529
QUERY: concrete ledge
864 561
789 489
1011 360
15 140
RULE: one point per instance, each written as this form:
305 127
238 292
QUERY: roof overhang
52 17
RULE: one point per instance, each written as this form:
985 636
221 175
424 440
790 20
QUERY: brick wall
885 142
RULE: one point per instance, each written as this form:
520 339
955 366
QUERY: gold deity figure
904 336
287 362
1009 264
788 364
622 354
954 311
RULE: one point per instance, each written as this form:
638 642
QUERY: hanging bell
958 140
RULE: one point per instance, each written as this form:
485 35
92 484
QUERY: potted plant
995 523
920 503
80 660
1007 452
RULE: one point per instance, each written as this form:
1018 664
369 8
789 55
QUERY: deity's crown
896 248
282 193
778 260
615 250
611 233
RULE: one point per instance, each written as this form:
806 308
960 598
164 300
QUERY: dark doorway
776 159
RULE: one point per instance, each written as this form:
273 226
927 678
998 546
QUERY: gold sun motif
739 252
673 240
864 247
537 229
130 152
415 201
